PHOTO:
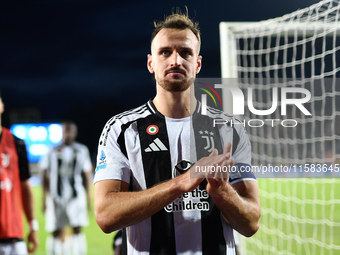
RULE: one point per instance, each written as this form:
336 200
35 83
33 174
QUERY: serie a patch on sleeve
241 172
101 161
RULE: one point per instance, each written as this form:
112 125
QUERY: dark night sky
86 60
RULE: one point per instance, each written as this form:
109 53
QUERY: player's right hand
32 241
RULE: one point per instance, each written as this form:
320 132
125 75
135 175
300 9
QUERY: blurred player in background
117 243
67 178
16 195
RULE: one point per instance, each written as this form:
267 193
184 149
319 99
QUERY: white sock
53 245
66 245
79 246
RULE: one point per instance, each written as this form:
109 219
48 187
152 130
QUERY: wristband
34 225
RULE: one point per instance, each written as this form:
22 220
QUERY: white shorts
72 213
18 248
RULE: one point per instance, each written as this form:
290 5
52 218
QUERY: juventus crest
209 139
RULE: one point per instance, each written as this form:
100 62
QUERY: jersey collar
154 110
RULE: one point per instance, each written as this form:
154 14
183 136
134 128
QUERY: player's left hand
218 180
32 241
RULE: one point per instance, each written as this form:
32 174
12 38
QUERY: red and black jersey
13 169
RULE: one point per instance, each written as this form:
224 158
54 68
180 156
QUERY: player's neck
175 105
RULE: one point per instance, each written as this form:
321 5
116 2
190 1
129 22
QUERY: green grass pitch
98 243
299 216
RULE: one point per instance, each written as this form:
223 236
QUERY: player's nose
176 59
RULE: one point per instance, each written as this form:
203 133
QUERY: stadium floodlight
38 137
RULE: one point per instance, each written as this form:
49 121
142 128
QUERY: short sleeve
87 165
111 161
44 162
242 153
242 157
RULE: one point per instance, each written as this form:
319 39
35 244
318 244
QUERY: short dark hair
180 21
68 122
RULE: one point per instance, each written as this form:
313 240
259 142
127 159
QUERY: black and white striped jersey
64 165
143 148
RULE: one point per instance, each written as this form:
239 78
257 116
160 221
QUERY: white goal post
300 206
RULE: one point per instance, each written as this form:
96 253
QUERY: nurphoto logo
278 97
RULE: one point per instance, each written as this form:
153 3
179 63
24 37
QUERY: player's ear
199 64
149 63
2 107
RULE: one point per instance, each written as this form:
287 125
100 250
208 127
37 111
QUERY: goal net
297 155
